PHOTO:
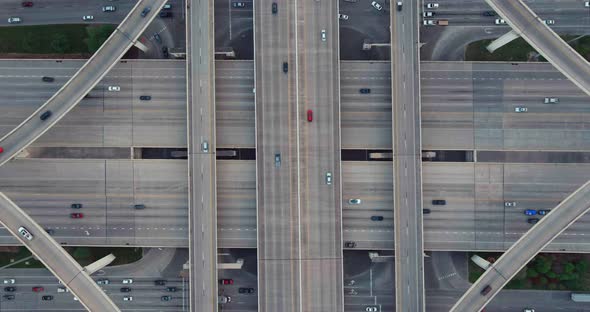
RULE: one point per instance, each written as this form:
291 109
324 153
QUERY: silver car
328 178
14 20
25 233
510 204
551 100
521 109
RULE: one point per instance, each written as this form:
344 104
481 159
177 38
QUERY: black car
145 97
47 298
145 11
439 202
50 231
10 289
48 79
160 282
486 290
8 297
139 206
489 13
377 218
165 298
425 210
285 67
76 206
349 244
365 91
165 52
45 115
125 289
532 220
246 290
275 8
165 14
171 289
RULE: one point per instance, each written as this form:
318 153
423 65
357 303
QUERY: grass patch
519 50
87 255
52 39
7 258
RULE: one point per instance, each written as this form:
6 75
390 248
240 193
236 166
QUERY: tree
543 264
81 253
532 273
569 268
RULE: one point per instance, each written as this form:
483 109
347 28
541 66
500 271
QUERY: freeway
108 191
532 29
407 162
519 254
277 157
318 72
54 257
81 83
202 198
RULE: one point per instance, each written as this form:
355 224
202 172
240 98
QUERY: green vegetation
7 258
86 255
519 50
545 271
53 39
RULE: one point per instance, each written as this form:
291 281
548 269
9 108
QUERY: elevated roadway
54 257
407 163
82 82
532 29
201 143
519 254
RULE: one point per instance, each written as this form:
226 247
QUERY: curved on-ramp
519 254
86 78
543 39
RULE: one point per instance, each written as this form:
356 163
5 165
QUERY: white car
427 14
521 109
429 22
376 5
128 298
328 178
62 290
128 281
103 282
528 310
371 309
75 298
25 233
323 35
114 88
587 4
509 204
549 22
14 20
343 17
109 8
87 17
500 21
551 100
432 5
9 281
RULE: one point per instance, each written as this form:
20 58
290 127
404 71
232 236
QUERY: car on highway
343 17
145 11
543 212
127 281
510 204
205 146
47 298
349 244
50 231
165 52
365 90
1 149
125 289
371 308
9 289
223 299
45 115
8 297
439 202
9 281
76 206
103 281
14 20
160 282
530 212
109 8
274 8
25 233
488 13
171 289
76 215
167 6
427 14
429 22
376 218
157 38
27 4
128 298
528 310
285 67
532 220
62 289
165 14
277 160
309 115
551 100
425 210
521 109
500 21
139 206
377 6
38 289
165 298
399 6
587 4
328 178
355 201
432 5
549 22
246 290
226 281
47 79
114 88
239 5
145 97
87 18
486 290
323 35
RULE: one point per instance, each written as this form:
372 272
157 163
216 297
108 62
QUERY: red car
38 289
76 215
309 115
226 281
1 149
27 4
